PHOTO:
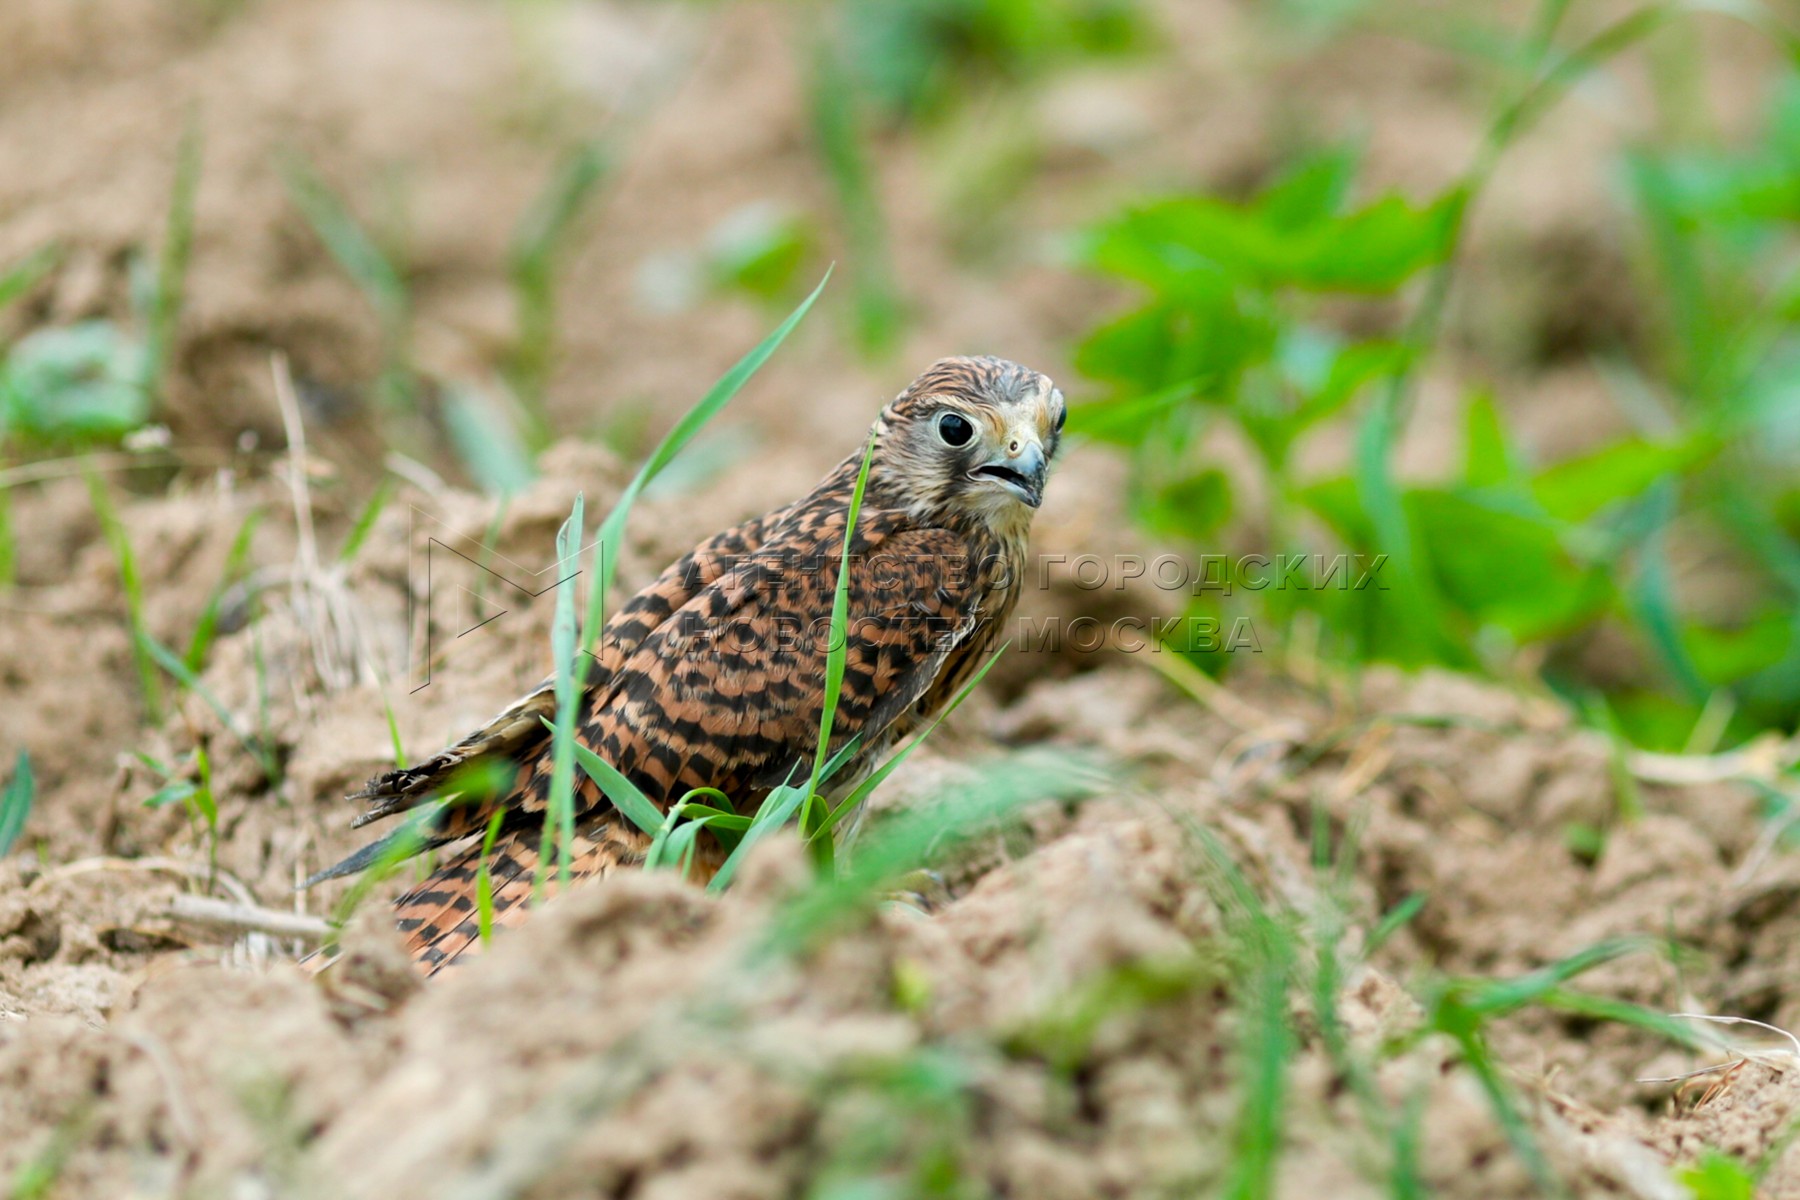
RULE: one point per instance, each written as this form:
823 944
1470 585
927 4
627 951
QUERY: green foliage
1239 324
1716 1176
15 803
76 383
95 381
916 57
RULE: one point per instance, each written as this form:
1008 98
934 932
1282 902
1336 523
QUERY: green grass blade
172 262
484 879
345 239
559 819
486 442
15 803
369 268
867 788
839 645
25 274
206 628
623 794
172 662
365 520
536 245
612 530
605 560
133 585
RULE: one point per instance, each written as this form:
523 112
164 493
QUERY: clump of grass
194 795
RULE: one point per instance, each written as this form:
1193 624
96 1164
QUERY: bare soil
618 1044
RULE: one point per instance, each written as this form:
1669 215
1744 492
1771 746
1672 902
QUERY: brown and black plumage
713 676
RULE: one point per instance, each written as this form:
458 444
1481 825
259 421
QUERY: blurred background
1504 292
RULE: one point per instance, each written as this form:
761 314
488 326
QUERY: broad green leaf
1488 459
79 382
1579 488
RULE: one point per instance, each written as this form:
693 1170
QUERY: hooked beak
1020 469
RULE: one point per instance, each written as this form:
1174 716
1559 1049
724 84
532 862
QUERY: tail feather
441 918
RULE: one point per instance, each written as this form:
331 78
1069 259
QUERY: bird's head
971 438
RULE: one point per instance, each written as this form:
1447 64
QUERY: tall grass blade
368 267
559 819
612 530
172 662
839 645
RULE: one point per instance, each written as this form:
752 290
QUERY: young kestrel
713 676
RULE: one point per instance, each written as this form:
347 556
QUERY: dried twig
248 918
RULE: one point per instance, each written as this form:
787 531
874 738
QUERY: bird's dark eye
1062 415
955 430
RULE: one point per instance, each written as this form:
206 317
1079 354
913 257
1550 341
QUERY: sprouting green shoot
165 302
206 805
393 727
133 584
365 520
206 628
15 803
168 660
